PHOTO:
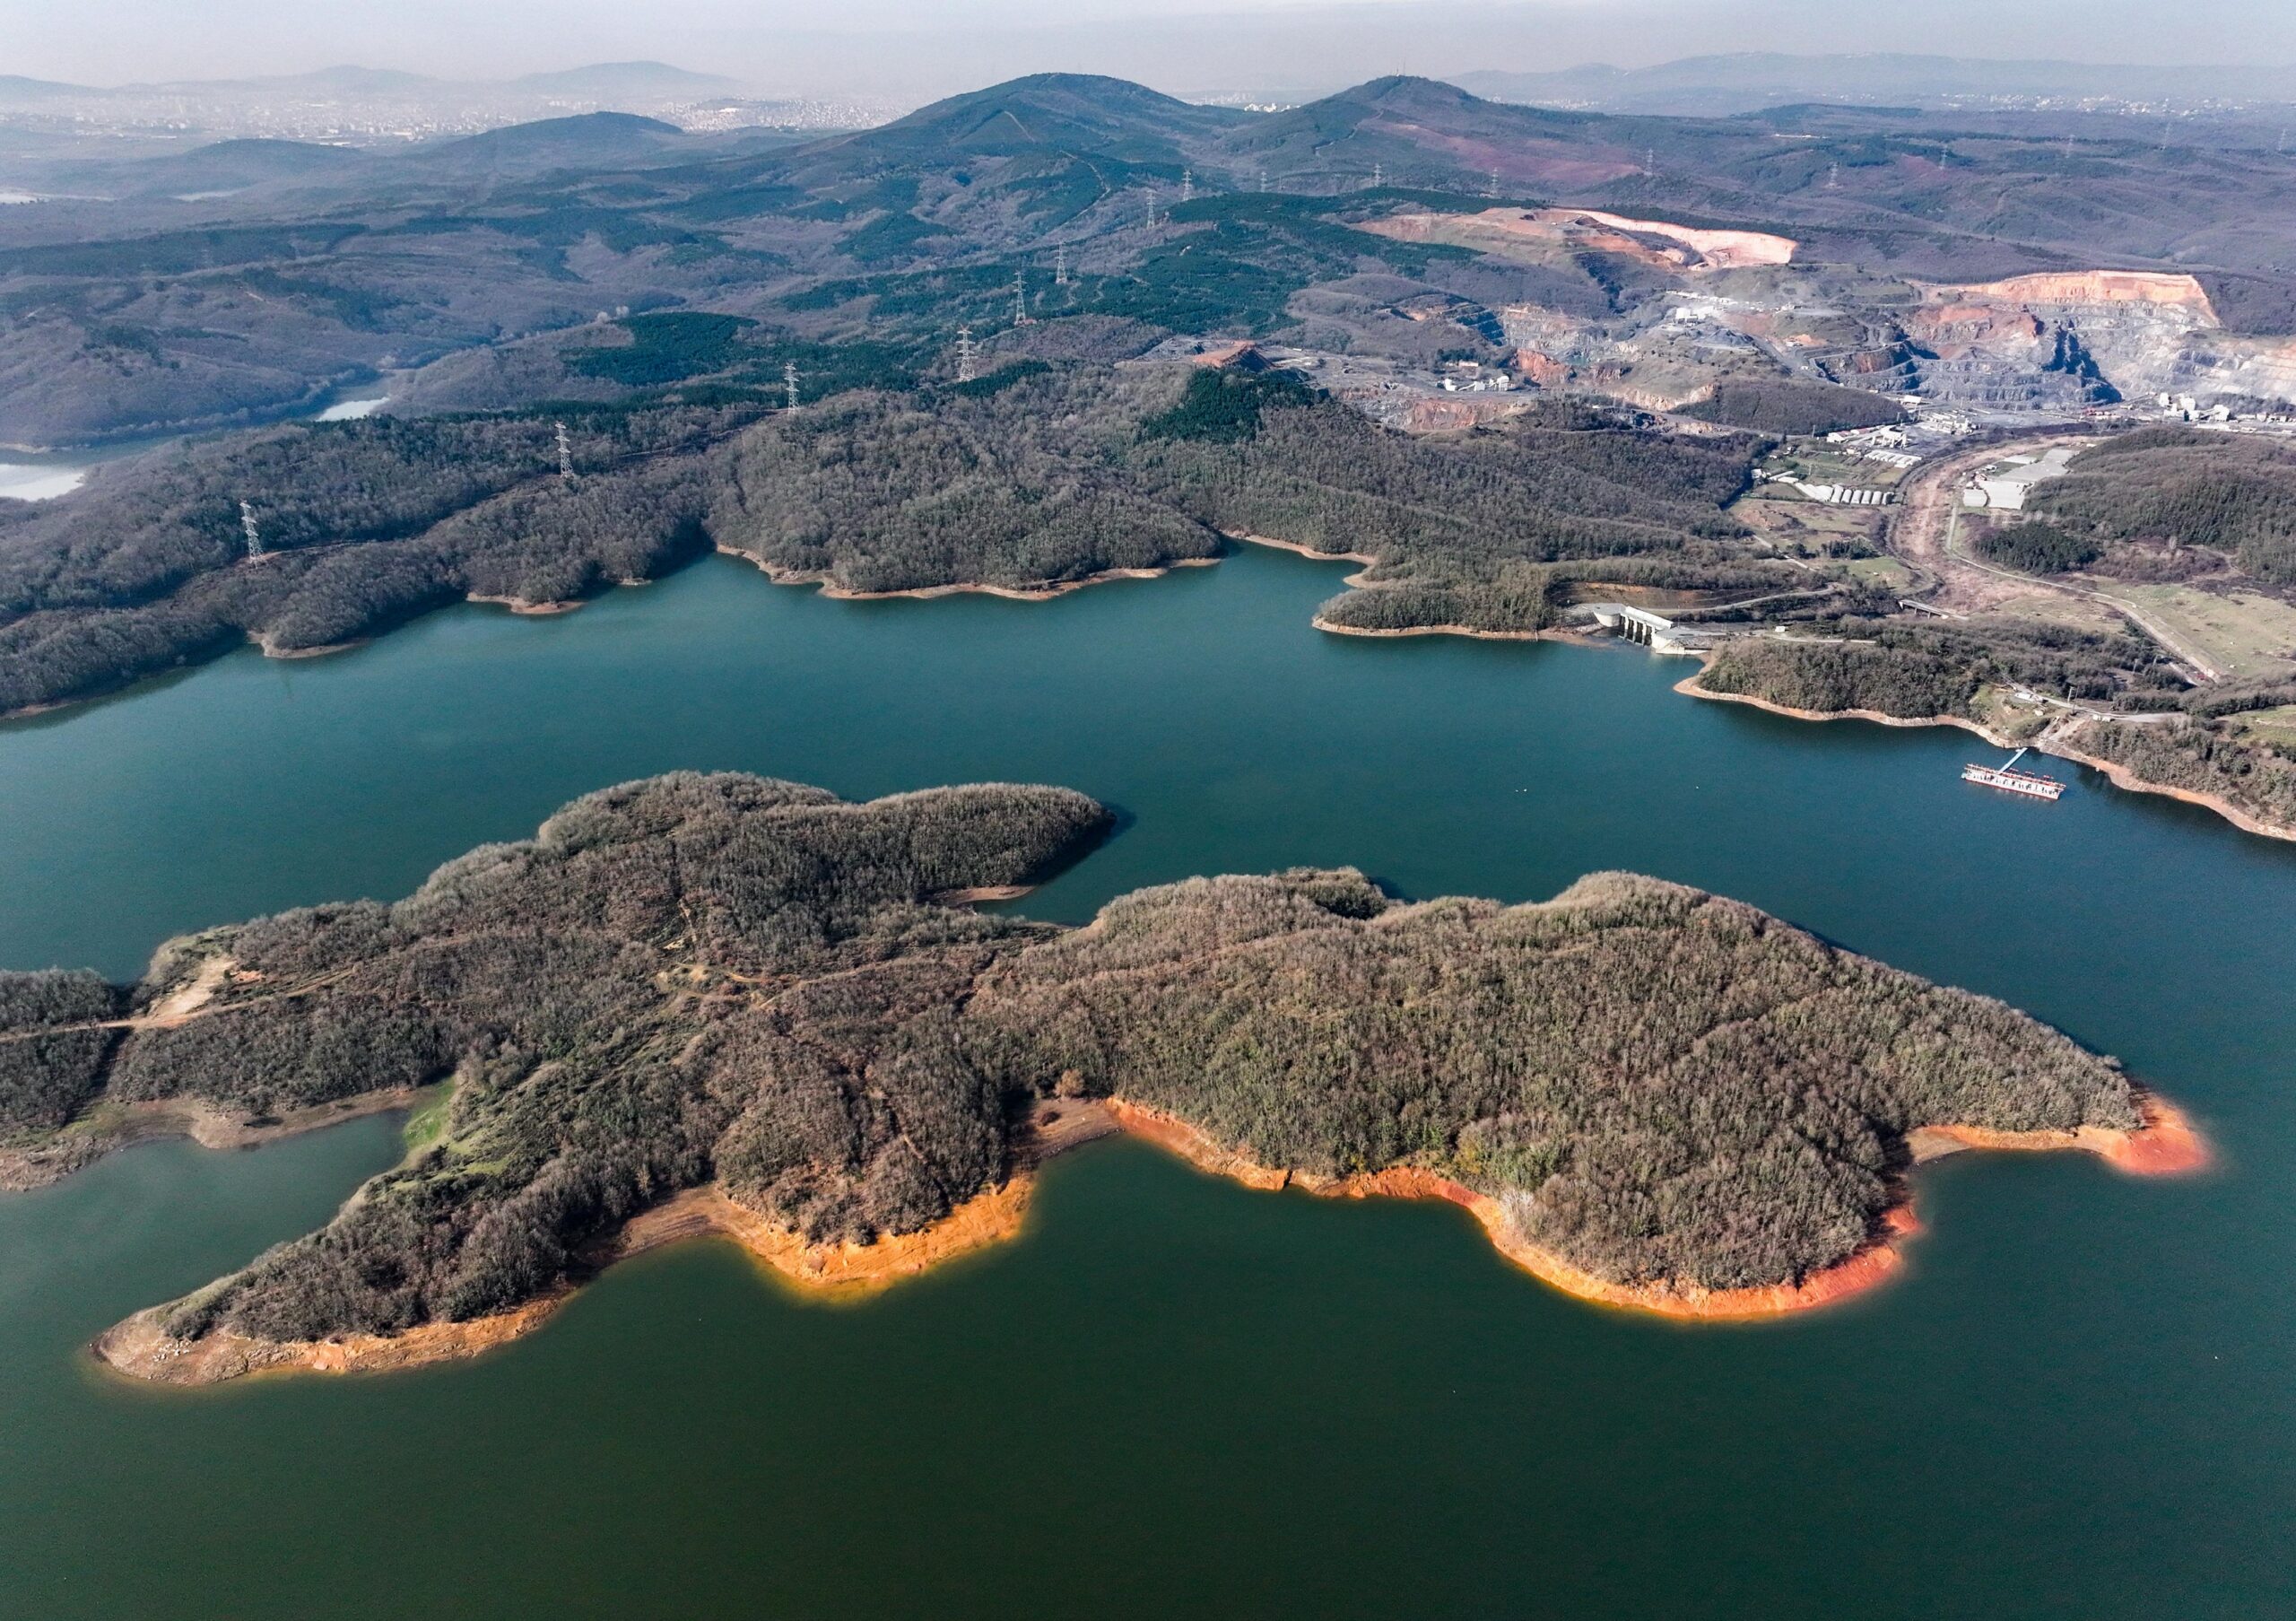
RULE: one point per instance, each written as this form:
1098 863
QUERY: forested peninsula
724 1002
1030 480
2170 740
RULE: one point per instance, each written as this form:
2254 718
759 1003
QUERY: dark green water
1172 1396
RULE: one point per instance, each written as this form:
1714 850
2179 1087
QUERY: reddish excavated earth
2165 1145
2086 287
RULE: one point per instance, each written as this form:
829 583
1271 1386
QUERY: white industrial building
2005 491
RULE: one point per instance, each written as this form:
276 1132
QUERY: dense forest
2034 548
1826 678
2201 756
1069 471
1918 667
1660 1085
722 978
2234 492
1785 405
53 1044
1035 475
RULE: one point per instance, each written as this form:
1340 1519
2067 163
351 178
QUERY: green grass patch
426 1122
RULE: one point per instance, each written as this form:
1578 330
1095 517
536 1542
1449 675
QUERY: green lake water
1172 1396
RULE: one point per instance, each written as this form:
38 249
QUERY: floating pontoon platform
2010 779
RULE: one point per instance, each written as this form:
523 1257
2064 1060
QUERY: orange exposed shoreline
140 1347
1860 1272
2165 1145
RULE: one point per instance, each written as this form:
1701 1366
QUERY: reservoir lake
1172 1395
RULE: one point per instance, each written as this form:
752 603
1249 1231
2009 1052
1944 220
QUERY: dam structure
1655 632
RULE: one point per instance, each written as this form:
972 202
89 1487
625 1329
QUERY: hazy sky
905 46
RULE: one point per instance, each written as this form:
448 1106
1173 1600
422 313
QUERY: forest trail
193 999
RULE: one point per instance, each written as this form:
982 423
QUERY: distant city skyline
913 49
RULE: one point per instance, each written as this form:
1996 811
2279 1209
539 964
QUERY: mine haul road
1920 533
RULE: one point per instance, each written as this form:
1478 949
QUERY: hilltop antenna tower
789 382
248 528
966 368
565 455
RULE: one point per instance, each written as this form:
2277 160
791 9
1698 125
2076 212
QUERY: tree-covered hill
2236 493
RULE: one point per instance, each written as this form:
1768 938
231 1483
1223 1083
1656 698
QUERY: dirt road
1921 533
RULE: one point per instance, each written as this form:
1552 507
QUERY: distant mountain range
1748 81
601 79
200 285
381 106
